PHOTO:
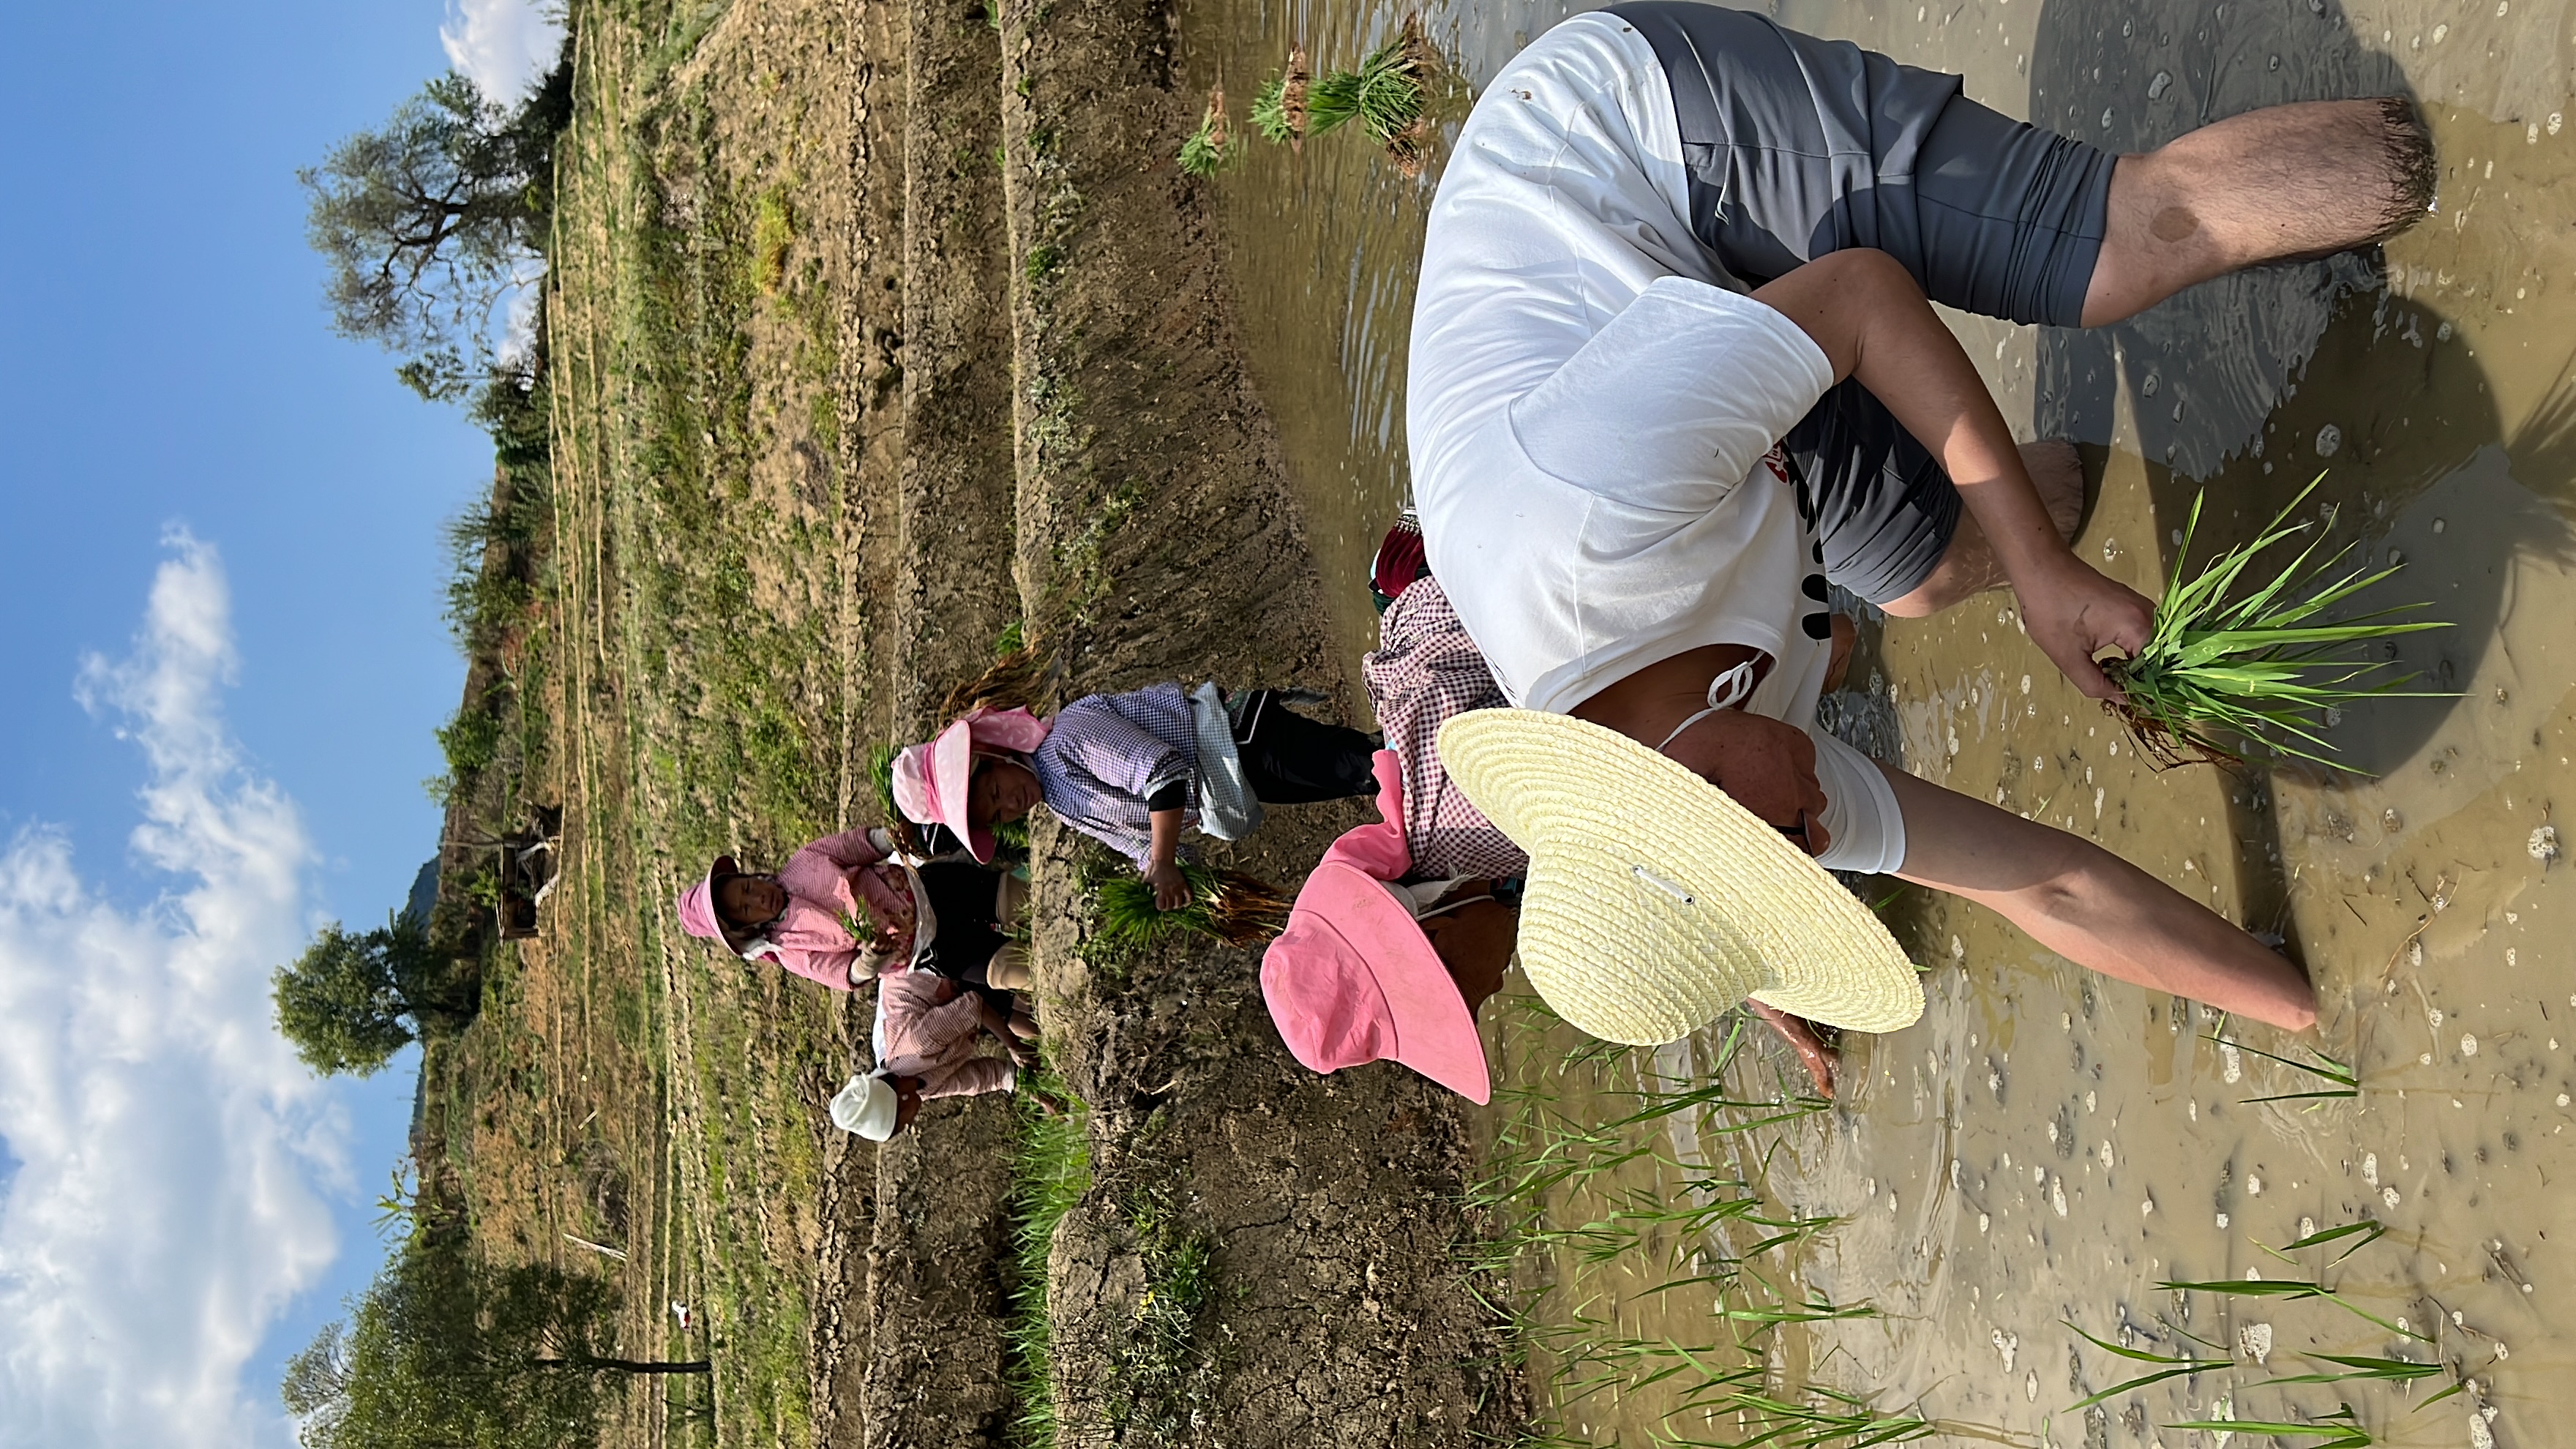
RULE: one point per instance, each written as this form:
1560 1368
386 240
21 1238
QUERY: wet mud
2046 1146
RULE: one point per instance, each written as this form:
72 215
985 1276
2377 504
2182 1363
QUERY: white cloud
164 1209
501 45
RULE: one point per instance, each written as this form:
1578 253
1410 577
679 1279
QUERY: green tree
426 224
444 1350
354 998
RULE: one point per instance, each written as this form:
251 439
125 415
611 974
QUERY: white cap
867 1106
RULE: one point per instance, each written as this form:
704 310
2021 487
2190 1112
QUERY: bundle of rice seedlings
2219 675
1210 148
1279 108
1385 95
1224 905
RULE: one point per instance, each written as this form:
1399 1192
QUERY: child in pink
847 909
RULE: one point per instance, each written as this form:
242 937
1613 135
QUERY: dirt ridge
1267 1256
935 1295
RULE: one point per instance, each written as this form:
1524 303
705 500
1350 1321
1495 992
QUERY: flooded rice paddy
2046 1146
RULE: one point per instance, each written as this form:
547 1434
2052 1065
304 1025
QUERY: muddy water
2045 1145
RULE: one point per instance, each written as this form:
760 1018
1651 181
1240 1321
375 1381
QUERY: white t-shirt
1593 413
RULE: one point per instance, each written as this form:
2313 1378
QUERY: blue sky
219 546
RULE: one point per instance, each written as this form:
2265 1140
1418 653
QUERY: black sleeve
1174 796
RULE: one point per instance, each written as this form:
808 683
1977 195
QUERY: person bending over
1133 771
1455 876
1674 369
928 1038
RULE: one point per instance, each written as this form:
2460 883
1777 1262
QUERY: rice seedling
1712 1101
2172 1366
1592 1212
1600 1360
1279 107
2380 1370
1224 905
1814 1310
1211 147
1385 95
2338 1430
2223 674
2370 1230
1848 1422
2290 1290
2347 1083
1049 1174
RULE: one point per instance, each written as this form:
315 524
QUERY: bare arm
1873 323
1162 868
2092 907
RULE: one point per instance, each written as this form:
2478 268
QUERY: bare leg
1838 661
2303 180
1009 968
1800 1034
2092 907
1969 566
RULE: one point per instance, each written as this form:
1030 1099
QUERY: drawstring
1729 689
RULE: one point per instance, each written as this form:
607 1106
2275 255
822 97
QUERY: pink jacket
929 1029
841 876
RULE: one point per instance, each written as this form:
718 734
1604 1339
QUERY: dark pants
1796 147
1292 760
965 900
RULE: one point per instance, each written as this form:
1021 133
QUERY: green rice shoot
1224 905
2232 668
1385 95
1279 107
1049 1174
2340 1429
1554 1219
2326 1068
2172 1366
1211 147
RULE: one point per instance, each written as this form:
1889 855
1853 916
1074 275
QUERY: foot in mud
2281 183
1838 663
1800 1034
1970 566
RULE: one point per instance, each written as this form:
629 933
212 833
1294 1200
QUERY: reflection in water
2045 1146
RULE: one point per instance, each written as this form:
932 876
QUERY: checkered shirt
1426 671
1106 754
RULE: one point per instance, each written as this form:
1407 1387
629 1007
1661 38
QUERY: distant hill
424 891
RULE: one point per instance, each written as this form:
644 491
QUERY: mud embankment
1305 1226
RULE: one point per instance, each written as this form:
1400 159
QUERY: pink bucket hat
698 914
1353 978
930 780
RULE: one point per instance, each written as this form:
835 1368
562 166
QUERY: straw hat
1654 900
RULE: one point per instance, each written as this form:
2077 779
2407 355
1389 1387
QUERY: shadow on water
2251 385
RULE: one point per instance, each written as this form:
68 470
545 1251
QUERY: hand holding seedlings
2075 616
1171 890
2221 672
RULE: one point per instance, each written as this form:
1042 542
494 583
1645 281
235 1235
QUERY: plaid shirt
1106 754
927 1028
1426 671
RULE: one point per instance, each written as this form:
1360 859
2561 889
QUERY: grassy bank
691 688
